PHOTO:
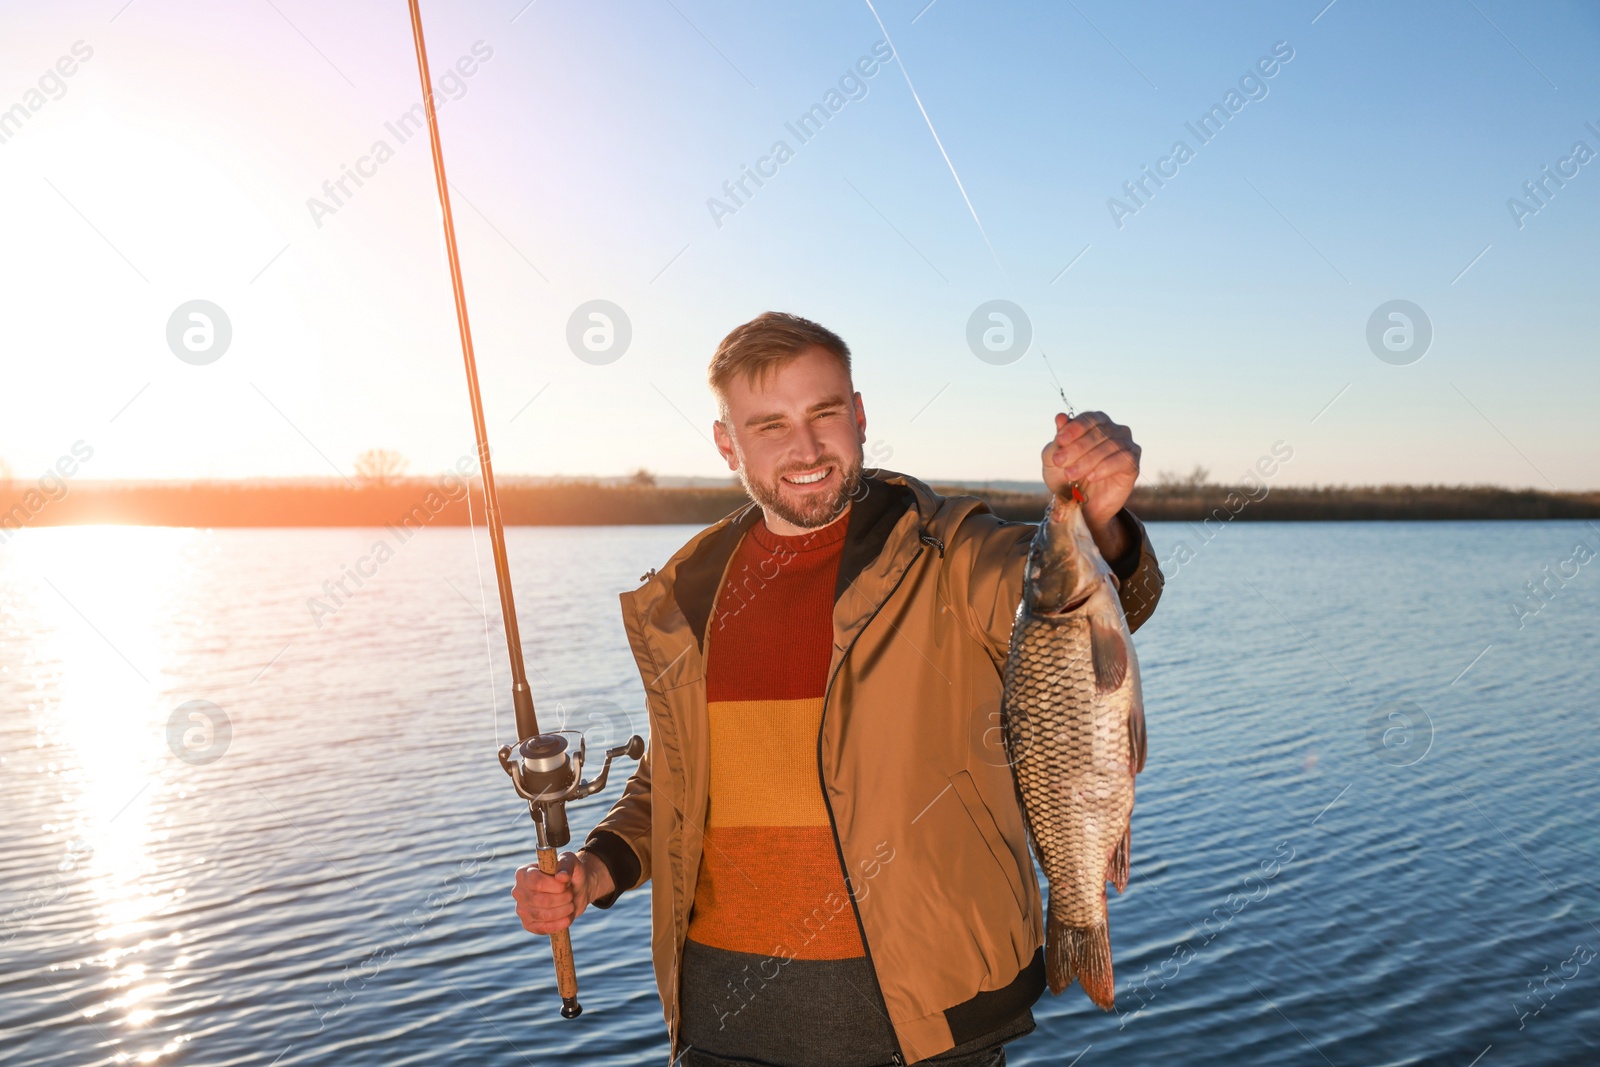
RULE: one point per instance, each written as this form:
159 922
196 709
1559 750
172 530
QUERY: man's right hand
549 902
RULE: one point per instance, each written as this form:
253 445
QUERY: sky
1369 153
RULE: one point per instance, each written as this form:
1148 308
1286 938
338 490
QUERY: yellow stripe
764 763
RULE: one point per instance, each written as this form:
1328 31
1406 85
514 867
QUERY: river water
1366 834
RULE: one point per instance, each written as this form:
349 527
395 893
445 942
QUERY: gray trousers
994 1056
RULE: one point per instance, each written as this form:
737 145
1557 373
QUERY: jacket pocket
983 821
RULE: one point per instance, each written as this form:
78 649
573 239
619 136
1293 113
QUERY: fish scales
1074 732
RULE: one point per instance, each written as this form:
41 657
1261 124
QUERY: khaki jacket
913 770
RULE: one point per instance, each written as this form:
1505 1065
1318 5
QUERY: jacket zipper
681 931
822 780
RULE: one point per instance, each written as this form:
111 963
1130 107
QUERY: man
840 872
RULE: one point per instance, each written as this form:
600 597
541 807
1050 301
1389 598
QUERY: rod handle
561 949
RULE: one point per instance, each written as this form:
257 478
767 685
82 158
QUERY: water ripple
334 888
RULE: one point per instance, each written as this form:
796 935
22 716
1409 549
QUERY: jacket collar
879 504
697 578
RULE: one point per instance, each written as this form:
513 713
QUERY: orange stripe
764 764
774 891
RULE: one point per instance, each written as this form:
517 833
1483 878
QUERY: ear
861 419
724 440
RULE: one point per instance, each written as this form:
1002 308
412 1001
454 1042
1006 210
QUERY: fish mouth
1064 503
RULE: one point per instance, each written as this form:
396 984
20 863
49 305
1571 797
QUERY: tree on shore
1173 482
379 466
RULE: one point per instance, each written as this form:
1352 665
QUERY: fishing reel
548 774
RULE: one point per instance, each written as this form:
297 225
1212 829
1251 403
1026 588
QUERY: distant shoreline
417 502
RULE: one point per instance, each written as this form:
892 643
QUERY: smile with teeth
808 478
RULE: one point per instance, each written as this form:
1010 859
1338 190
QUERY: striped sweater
774 970
769 862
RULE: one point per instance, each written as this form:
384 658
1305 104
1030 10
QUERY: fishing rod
544 768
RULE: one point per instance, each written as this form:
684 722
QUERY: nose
807 445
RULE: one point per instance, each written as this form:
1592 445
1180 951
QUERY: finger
1102 453
1126 461
1102 430
1118 466
544 900
1062 423
530 872
540 926
1111 454
544 915
1066 446
1084 436
1079 425
1091 439
539 882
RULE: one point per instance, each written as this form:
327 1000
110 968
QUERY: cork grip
561 949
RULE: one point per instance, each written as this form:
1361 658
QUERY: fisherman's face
795 439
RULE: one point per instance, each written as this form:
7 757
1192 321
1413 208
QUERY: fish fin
1109 650
1084 953
1136 733
1117 874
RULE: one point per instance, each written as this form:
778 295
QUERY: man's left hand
1101 456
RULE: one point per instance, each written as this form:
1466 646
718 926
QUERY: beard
813 510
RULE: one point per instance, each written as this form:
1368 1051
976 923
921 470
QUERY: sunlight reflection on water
333 887
101 616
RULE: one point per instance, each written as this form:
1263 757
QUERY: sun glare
99 606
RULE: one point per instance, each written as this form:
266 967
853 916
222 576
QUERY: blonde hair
766 343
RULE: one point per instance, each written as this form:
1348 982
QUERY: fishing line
483 599
1071 414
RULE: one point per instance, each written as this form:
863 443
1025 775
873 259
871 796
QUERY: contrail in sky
907 75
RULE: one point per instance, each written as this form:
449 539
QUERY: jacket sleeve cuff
1141 582
1126 564
619 859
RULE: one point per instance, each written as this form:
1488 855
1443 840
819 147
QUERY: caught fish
1074 732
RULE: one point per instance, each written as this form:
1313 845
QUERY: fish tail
1084 953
